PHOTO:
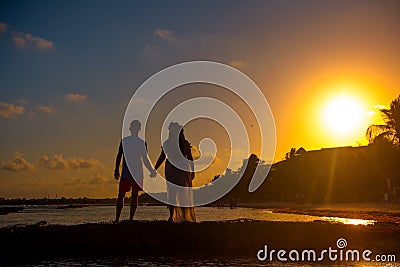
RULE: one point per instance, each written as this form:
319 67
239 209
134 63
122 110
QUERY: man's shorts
126 185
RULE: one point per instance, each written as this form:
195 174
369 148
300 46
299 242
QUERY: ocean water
93 214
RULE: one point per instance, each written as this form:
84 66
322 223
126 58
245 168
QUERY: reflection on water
34 214
348 221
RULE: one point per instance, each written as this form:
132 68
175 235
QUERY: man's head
135 127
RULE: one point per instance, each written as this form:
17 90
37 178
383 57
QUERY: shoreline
382 212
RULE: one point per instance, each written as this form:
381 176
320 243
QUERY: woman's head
175 129
176 132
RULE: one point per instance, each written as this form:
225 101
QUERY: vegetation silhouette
390 131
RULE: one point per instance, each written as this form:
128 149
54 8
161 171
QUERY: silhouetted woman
179 172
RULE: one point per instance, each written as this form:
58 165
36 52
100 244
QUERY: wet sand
157 238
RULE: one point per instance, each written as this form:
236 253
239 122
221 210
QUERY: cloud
3 27
46 109
73 181
99 179
9 111
75 97
96 179
26 40
58 162
23 101
208 158
150 47
237 64
18 163
79 163
381 107
165 34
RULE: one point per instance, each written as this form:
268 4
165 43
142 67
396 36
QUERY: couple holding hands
176 149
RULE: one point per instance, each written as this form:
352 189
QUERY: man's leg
120 205
134 203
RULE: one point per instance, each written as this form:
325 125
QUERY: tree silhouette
390 131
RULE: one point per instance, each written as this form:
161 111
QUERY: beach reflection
348 221
269 215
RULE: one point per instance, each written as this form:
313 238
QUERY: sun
343 115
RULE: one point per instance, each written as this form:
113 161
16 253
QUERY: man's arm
118 162
147 163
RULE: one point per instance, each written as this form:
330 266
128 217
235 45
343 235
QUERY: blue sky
73 65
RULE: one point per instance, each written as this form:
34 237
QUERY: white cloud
3 27
75 97
46 109
18 163
9 111
165 34
27 40
58 162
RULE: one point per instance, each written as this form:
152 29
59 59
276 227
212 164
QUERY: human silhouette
179 170
134 150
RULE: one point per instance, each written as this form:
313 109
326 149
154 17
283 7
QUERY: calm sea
92 214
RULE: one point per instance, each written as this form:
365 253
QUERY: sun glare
343 115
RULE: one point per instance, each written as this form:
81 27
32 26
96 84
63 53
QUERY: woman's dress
179 185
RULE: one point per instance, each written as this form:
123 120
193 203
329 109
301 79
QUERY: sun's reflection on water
348 221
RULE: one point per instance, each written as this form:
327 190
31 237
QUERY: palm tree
390 131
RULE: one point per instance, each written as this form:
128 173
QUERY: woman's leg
171 213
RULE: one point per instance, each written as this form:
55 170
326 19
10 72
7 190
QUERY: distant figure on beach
220 204
133 149
179 173
232 203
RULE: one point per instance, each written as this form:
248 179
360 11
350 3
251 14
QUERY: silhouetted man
133 148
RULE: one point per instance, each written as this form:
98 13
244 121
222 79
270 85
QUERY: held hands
153 173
